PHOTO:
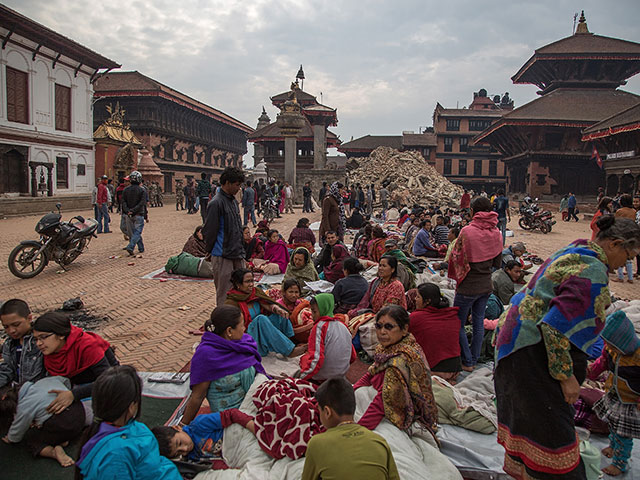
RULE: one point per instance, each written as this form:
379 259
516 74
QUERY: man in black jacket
134 204
222 232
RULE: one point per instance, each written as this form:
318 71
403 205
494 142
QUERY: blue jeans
249 213
476 305
136 236
102 211
502 226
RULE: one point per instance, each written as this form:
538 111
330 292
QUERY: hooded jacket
222 229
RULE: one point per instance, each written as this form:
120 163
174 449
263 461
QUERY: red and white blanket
287 417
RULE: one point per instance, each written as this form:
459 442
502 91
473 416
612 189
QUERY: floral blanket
287 417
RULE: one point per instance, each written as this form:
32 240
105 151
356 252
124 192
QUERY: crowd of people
379 309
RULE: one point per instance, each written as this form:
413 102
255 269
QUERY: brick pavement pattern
145 324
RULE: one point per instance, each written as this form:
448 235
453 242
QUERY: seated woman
411 233
252 245
266 321
400 375
348 291
361 242
386 289
224 364
356 220
299 309
71 352
435 327
196 245
375 247
276 255
334 271
302 236
117 445
331 351
301 268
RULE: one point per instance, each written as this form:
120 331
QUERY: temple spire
300 76
582 25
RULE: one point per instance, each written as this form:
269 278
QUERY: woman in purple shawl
224 365
276 255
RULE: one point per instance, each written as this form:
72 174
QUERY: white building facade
46 116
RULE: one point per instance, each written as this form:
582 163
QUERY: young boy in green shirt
346 449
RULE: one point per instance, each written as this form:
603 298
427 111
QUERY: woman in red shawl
71 352
476 254
276 255
376 247
334 271
435 326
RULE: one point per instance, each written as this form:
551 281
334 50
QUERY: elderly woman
400 375
266 321
334 271
301 268
375 248
302 236
541 351
276 255
384 290
224 364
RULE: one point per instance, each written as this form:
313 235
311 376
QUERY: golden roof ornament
114 128
582 25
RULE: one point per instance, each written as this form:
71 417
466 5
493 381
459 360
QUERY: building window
448 144
477 168
17 96
63 108
493 168
62 172
479 125
453 124
462 167
464 144
447 166
81 170
426 152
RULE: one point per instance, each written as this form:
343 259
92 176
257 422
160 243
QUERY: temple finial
582 25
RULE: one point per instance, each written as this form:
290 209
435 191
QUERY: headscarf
216 357
478 242
306 273
334 191
335 271
406 392
277 253
620 332
80 351
242 300
326 303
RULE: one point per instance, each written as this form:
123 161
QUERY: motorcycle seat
86 227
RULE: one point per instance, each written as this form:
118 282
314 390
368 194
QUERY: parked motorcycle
531 218
270 208
59 241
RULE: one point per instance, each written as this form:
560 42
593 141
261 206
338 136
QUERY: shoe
617 280
130 252
140 251
629 281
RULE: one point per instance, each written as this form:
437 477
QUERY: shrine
540 142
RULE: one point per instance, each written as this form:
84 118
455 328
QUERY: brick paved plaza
144 319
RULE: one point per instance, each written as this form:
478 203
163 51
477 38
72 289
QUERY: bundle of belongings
188 265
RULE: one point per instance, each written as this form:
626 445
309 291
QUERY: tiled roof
419 139
371 142
273 131
120 83
625 121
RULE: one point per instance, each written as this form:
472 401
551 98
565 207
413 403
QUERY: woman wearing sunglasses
400 375
542 345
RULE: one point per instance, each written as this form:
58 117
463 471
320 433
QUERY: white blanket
414 456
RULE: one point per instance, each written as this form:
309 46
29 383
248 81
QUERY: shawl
253 248
195 247
412 231
306 273
402 258
406 393
376 249
334 191
391 294
216 357
478 242
360 247
80 351
277 253
436 330
568 292
242 301
335 271
302 235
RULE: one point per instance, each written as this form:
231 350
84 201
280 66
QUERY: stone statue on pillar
290 121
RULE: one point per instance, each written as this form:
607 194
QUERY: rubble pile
411 180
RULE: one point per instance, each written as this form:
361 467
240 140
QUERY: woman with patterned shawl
401 376
266 321
375 248
302 269
541 351
334 271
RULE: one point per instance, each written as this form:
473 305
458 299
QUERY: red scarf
242 301
81 351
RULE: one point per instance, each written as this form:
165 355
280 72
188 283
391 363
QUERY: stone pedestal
290 153
319 146
290 121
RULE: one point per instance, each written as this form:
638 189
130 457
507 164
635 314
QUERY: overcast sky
382 64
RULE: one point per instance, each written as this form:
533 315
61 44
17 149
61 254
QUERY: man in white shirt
288 198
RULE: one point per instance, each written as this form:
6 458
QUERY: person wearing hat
134 204
102 206
619 407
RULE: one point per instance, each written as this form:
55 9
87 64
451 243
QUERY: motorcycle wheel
544 228
523 224
25 262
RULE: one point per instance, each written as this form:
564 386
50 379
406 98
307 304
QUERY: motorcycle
59 241
531 218
270 208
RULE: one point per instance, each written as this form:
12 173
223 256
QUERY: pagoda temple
578 77
312 140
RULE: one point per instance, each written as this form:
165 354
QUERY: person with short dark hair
346 449
501 206
505 279
422 244
348 291
385 289
222 232
306 197
249 204
302 236
134 208
22 360
323 259
572 206
333 214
